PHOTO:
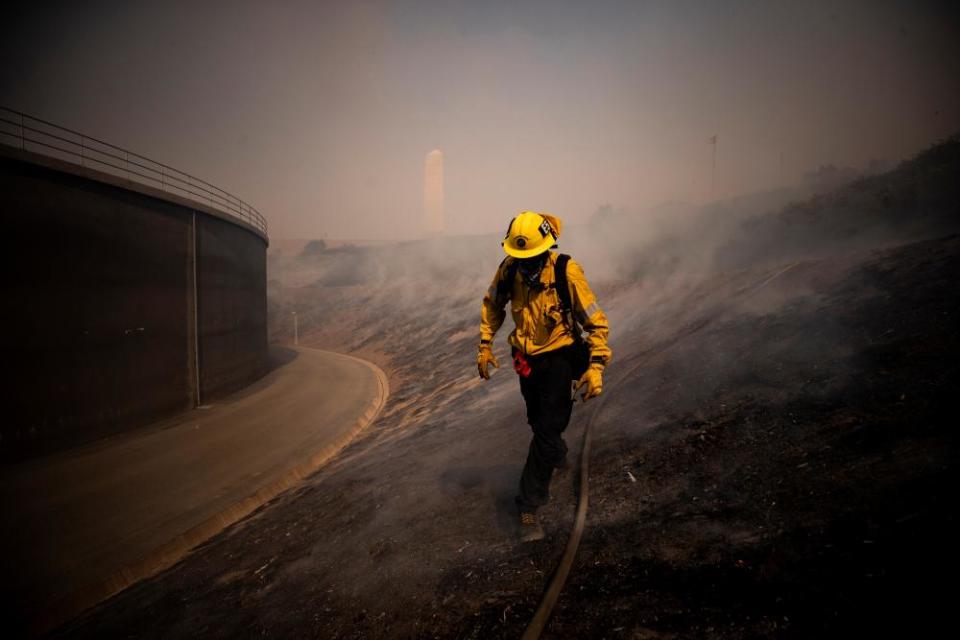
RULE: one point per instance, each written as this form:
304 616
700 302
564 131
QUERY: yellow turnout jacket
538 316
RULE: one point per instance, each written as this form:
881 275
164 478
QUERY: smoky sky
320 114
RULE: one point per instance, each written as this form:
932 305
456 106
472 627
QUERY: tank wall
97 310
233 312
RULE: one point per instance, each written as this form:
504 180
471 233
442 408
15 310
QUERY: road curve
87 523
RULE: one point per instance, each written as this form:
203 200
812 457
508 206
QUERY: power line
713 167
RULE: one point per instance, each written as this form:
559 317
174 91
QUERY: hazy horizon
320 114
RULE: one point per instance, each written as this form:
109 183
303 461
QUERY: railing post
193 322
81 150
163 182
126 163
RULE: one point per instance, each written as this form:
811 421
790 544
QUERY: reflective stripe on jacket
537 314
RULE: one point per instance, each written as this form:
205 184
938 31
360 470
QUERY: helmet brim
528 253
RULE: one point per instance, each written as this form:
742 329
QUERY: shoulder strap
505 284
563 287
563 290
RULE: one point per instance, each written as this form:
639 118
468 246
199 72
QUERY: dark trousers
547 394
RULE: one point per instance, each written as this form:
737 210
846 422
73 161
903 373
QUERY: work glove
485 357
593 380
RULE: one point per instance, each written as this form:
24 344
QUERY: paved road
103 512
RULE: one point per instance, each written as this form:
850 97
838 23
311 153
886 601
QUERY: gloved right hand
592 379
485 357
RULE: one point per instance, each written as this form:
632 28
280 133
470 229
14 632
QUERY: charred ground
772 456
803 498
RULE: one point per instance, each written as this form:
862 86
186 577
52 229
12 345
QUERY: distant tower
433 193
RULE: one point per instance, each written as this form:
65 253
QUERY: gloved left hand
593 380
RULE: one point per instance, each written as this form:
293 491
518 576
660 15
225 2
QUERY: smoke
659 251
660 275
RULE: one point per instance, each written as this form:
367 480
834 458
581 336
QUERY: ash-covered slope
787 472
771 458
919 199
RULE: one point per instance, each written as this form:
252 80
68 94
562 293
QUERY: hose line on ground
552 594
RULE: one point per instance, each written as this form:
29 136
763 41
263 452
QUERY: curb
166 555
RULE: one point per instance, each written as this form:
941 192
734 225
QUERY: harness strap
563 291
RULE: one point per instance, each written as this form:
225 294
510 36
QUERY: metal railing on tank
39 136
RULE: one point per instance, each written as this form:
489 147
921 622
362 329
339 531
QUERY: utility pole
713 167
296 329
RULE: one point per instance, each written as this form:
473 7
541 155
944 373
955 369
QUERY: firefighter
550 301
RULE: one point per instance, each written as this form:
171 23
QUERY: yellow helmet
530 234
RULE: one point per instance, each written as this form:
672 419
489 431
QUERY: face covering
530 269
